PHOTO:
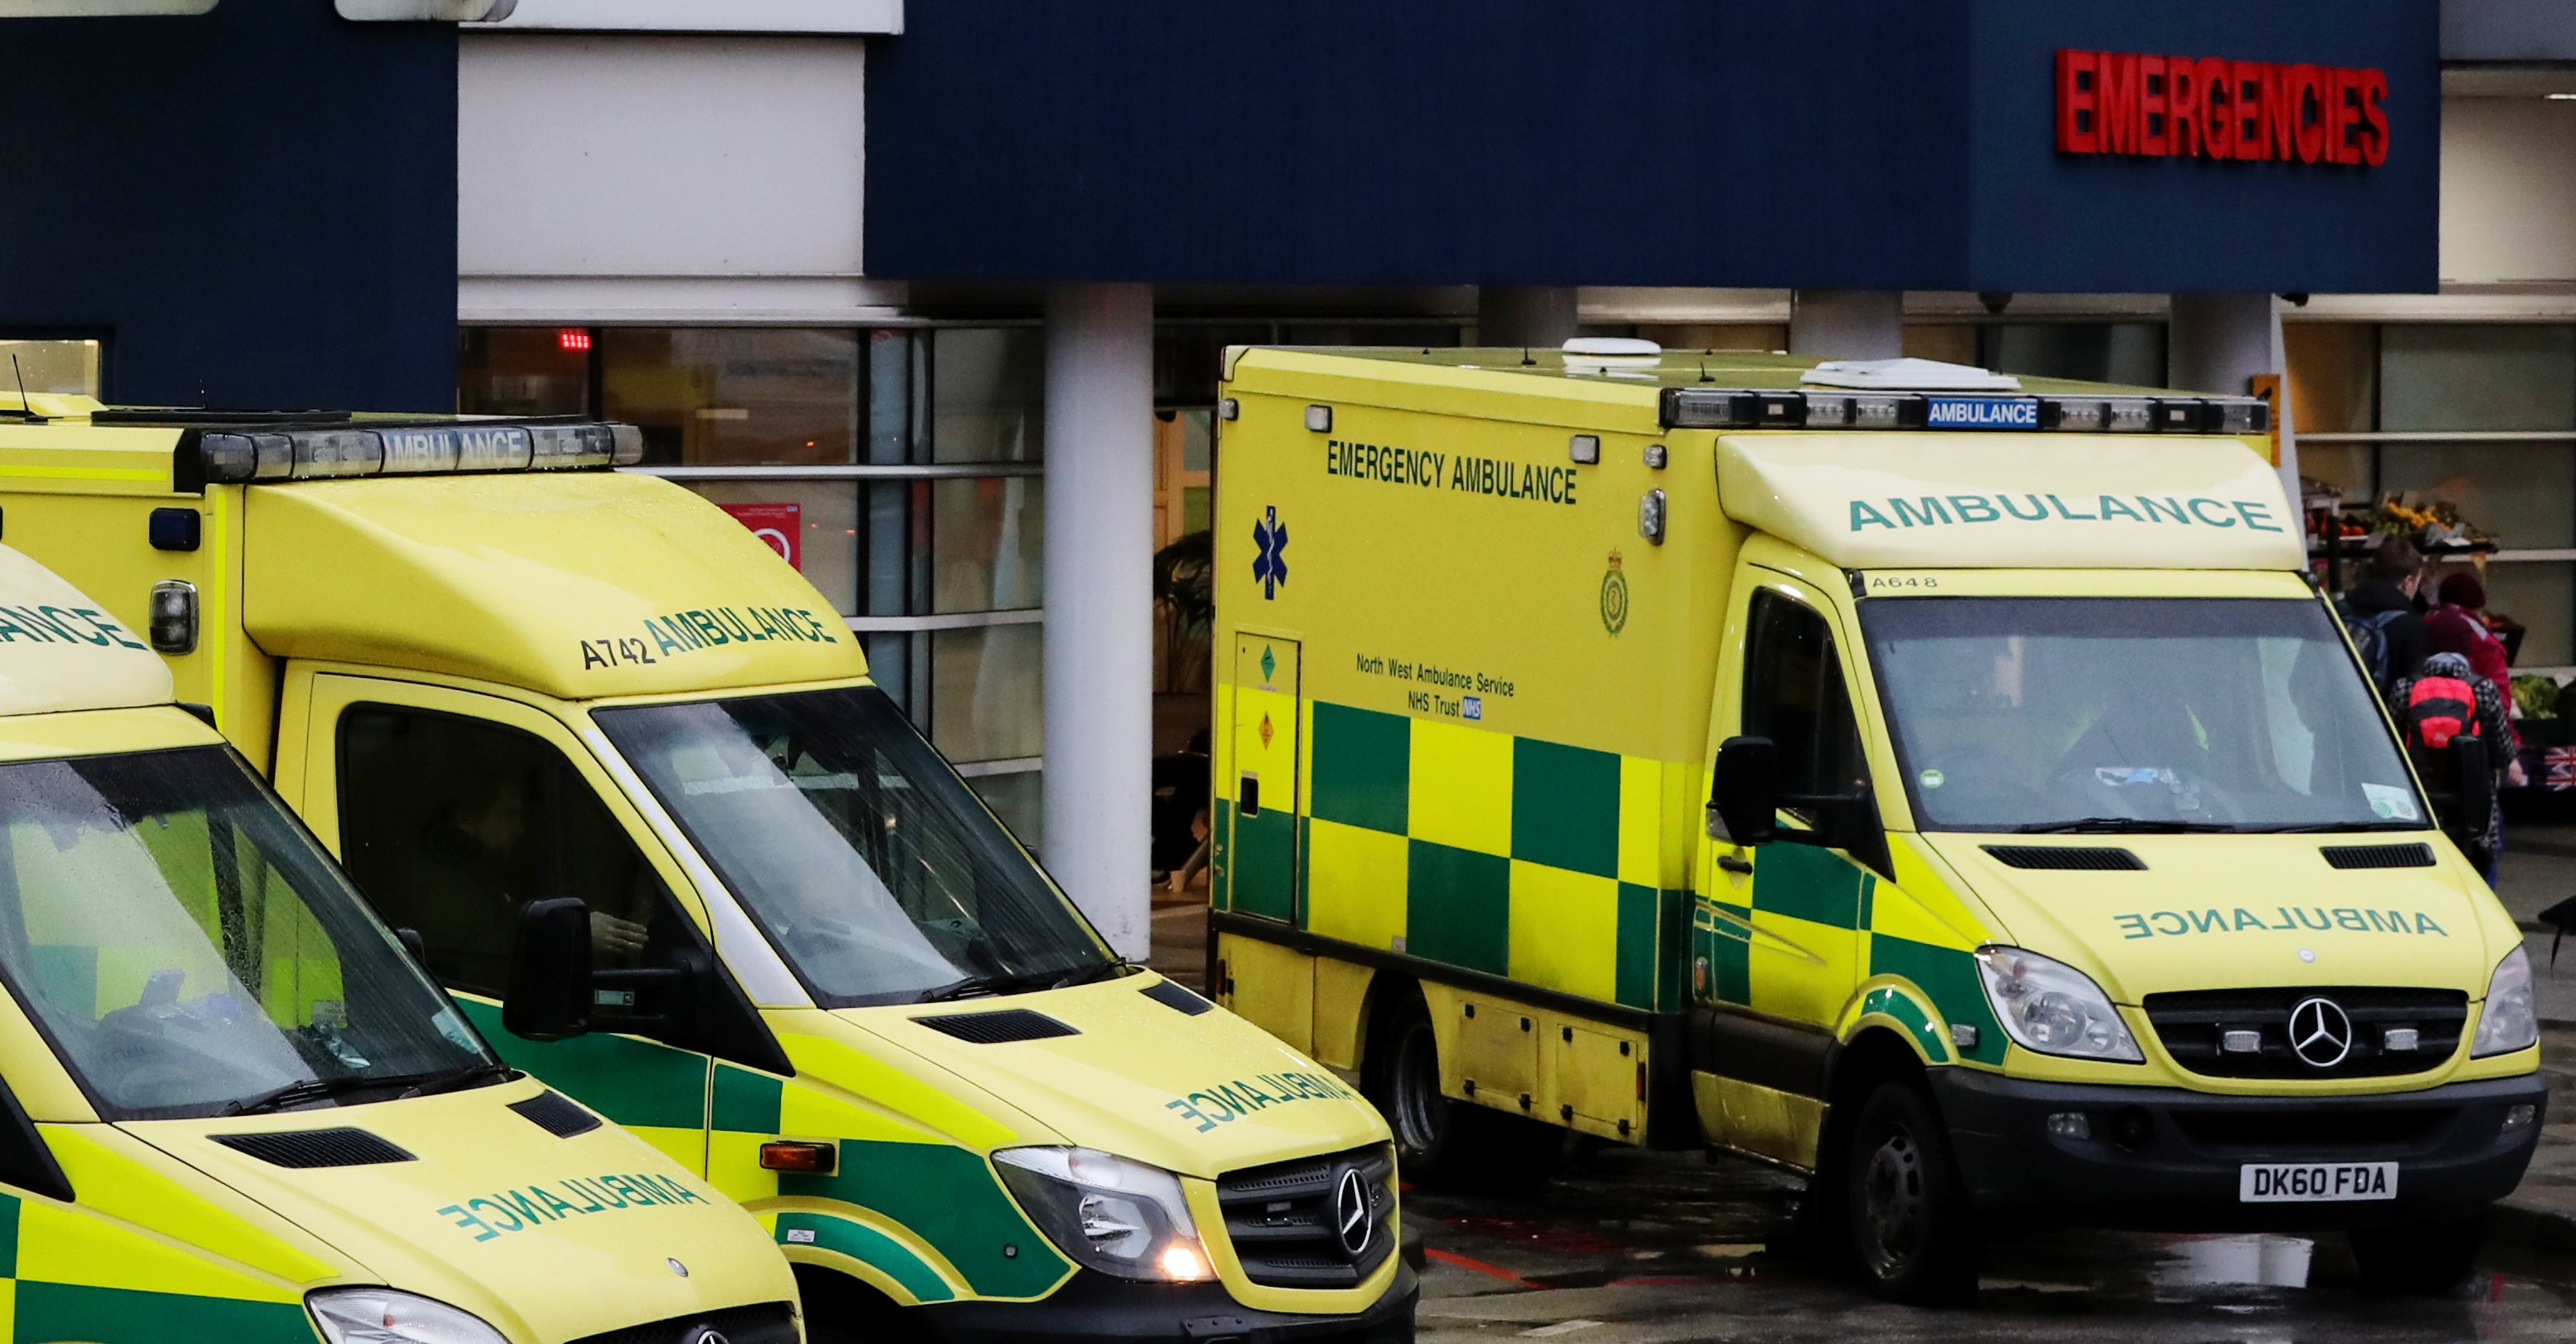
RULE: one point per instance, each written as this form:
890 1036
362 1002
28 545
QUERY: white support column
1847 323
2216 342
1536 316
1100 604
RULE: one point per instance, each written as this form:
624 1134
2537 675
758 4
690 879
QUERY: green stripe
1458 907
8 1236
632 1082
949 1198
1948 977
1906 1011
1221 854
1636 955
69 1311
1363 767
869 1247
1807 882
1565 806
1728 945
746 1101
1263 867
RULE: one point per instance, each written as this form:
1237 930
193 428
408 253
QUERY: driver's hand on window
612 936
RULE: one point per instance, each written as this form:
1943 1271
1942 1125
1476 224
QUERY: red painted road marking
1466 1262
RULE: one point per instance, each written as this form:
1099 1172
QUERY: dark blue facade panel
1878 143
256 207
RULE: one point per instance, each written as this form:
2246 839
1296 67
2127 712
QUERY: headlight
2053 1008
384 1316
1108 1213
2508 1022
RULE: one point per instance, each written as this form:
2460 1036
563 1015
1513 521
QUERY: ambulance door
452 810
1778 931
1261 856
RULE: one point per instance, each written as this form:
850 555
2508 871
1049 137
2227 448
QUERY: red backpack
2439 709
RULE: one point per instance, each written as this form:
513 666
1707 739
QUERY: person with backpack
2379 611
2445 701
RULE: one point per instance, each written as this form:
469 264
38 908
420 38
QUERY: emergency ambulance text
1428 470
2175 923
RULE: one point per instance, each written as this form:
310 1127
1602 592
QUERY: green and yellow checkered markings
70 1273
657 1091
1511 856
1948 977
949 1198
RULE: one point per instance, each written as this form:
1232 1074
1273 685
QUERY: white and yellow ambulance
620 771
235 1109
1950 787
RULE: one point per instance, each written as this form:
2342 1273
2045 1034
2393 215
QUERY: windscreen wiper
317 1089
2329 827
2120 826
494 1070
976 984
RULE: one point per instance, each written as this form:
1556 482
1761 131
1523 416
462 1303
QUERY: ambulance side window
449 825
1794 695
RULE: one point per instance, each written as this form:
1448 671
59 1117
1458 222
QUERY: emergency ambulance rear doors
450 809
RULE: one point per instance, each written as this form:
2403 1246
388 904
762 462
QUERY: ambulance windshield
2069 713
875 870
189 951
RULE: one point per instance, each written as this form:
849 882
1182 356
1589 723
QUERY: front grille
2314 1133
998 1028
2193 1024
1282 1219
767 1323
2071 858
2378 856
305 1149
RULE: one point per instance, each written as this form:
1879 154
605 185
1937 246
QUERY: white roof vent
1908 375
1615 346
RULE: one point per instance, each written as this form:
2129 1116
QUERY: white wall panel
659 156
2508 190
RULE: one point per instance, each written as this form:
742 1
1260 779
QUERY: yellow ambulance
232 1108
1948 786
620 772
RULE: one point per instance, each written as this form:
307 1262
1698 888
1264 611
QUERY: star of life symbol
1269 563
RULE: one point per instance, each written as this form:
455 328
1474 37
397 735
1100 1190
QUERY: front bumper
2169 1158
1095 1307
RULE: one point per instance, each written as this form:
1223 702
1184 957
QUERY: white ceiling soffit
95 9
871 17
423 11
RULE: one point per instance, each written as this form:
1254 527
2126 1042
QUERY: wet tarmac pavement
1632 1246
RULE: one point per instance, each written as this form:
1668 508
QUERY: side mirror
1745 791
550 991
2471 797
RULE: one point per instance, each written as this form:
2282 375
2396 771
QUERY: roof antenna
1703 372
1526 361
26 412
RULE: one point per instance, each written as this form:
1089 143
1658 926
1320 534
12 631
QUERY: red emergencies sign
2117 102
780 526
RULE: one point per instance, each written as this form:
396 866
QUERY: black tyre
1912 1234
1439 1140
2426 1259
841 1310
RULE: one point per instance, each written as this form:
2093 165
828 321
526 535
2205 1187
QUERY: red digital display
573 338
2117 102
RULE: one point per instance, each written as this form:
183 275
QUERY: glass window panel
984 692
2345 466
1196 506
51 366
2524 493
735 396
890 666
890 360
887 573
1198 438
988 533
2469 377
1188 356
523 370
2105 352
1015 798
2543 598
826 526
988 393
2334 378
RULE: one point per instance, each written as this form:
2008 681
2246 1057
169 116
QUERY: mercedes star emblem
1351 1213
2320 1032
704 1334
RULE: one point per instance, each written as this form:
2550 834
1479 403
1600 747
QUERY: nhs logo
1981 413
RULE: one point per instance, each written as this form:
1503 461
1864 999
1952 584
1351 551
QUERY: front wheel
1911 1229
2426 1259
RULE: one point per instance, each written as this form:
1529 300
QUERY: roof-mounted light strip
416 450
1731 408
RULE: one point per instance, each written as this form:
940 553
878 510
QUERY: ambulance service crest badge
1614 597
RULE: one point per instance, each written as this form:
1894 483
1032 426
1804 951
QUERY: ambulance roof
60 651
573 584
1665 367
